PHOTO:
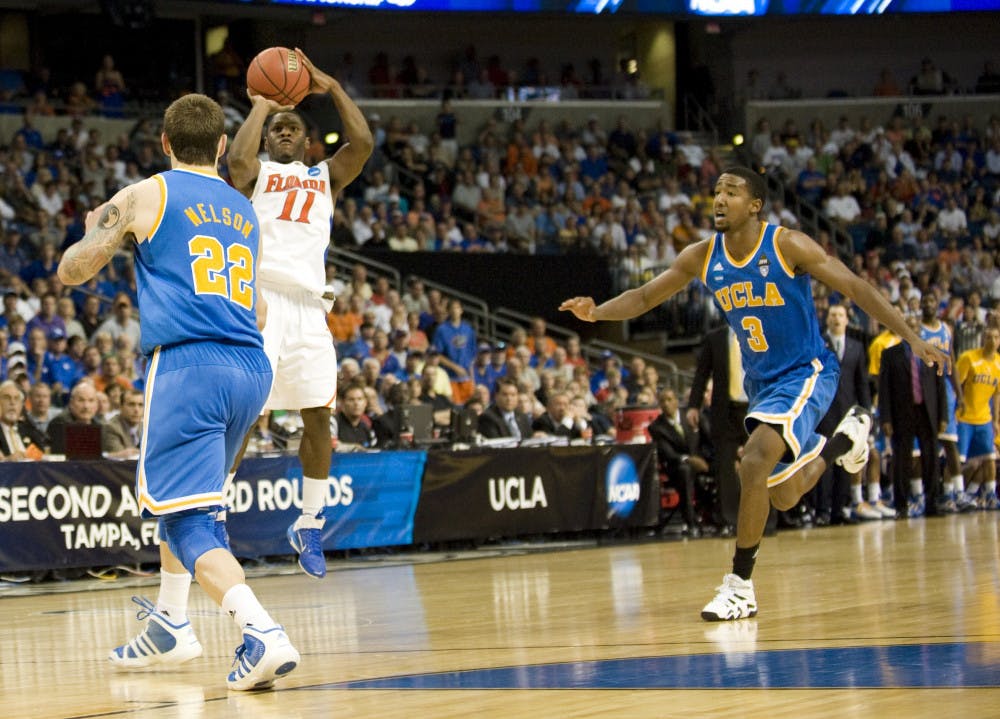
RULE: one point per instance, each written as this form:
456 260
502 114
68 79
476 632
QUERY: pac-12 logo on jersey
764 265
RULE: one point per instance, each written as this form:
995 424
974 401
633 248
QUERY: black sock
837 445
743 561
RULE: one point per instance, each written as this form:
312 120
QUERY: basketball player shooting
294 204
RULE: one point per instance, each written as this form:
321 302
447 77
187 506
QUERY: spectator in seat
17 435
354 426
82 409
122 434
557 421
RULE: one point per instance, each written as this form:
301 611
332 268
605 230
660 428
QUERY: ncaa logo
313 171
622 482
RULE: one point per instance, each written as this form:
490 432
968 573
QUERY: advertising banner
510 492
84 514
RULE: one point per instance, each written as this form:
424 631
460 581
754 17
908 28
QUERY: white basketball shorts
300 347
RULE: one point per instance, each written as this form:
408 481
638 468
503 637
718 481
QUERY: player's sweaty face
286 138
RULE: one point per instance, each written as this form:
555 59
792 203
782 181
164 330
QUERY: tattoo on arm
86 258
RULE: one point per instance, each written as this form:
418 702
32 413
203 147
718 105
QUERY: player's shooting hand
319 80
271 105
582 307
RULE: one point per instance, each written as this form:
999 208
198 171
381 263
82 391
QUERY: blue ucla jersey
769 307
940 338
195 271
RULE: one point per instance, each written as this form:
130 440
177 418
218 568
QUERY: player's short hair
193 124
756 184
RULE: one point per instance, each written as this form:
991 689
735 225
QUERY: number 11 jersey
295 209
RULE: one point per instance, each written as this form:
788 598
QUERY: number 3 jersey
295 209
195 271
769 307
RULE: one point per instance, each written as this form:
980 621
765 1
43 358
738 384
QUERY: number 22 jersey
295 208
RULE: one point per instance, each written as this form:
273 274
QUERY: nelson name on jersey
201 213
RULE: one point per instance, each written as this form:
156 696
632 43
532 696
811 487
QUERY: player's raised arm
243 163
635 302
127 215
350 159
805 255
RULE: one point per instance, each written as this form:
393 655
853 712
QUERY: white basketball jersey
295 210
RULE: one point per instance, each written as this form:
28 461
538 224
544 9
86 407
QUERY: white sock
972 489
241 604
173 597
990 487
314 493
916 487
856 493
948 486
959 481
874 492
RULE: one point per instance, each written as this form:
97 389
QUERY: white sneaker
886 511
734 600
863 510
261 658
857 425
161 642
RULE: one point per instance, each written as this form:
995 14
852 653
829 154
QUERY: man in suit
833 494
911 404
557 421
677 444
719 360
17 434
81 409
503 418
122 434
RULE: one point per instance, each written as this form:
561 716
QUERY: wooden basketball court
890 619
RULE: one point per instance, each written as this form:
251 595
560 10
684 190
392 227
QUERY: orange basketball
278 74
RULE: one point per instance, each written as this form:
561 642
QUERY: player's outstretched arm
635 302
805 255
350 159
127 215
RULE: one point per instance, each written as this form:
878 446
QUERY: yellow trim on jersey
753 253
708 259
163 206
146 501
790 271
779 477
787 419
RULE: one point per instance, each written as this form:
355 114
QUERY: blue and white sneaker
161 642
990 501
916 506
261 658
964 502
306 538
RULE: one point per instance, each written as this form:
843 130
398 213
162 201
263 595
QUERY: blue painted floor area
912 665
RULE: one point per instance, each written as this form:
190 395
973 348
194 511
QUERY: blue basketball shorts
201 400
975 441
794 404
